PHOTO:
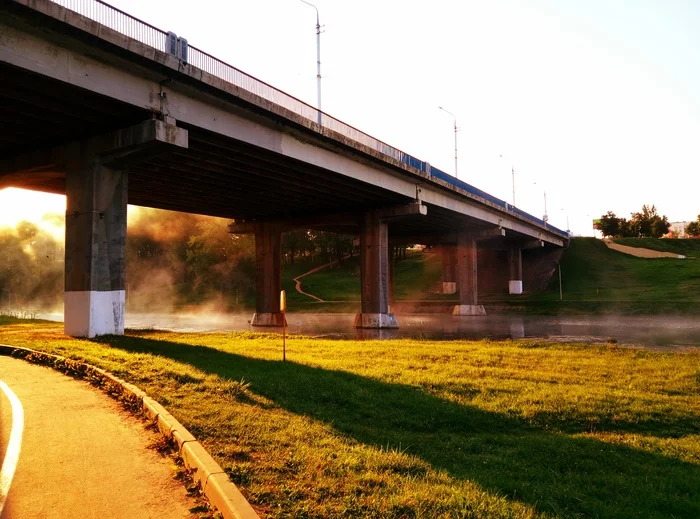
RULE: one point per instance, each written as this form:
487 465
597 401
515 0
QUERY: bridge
109 110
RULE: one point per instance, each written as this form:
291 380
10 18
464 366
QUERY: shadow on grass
556 473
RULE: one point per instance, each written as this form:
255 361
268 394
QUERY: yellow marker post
283 308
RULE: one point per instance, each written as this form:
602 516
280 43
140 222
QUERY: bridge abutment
467 277
95 280
374 274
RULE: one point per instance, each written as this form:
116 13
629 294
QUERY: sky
596 103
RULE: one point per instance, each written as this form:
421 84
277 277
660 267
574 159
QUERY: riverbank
407 428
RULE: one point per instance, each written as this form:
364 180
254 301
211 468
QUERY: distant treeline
645 224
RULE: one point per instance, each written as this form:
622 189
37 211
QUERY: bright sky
597 103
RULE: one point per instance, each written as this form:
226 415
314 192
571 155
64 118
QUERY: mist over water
648 331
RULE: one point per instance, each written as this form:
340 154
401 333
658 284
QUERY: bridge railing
119 21
146 33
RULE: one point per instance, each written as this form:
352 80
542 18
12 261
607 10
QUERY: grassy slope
688 247
414 276
402 429
609 280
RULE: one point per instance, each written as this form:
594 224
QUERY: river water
648 331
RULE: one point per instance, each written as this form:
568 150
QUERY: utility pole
455 129
318 59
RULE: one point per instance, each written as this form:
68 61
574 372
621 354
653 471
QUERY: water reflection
654 331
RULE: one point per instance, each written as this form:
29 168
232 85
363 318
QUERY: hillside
597 279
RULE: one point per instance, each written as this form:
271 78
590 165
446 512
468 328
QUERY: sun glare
44 209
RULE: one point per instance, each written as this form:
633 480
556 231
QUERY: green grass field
688 247
409 429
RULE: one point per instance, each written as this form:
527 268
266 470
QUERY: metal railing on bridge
130 26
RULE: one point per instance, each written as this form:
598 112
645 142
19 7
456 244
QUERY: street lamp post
454 117
318 58
512 172
545 218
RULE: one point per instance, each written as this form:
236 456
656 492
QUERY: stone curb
213 481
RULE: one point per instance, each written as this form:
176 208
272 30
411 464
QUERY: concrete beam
398 212
306 222
532 244
118 149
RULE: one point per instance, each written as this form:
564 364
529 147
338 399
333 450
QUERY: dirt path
640 252
297 280
81 455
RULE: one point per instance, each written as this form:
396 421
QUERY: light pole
318 58
512 172
545 218
456 129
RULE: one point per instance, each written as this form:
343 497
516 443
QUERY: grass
689 247
404 429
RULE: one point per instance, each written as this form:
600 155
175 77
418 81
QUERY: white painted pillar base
449 287
469 310
369 320
267 319
515 286
91 313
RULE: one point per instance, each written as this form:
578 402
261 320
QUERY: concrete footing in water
268 319
376 321
469 310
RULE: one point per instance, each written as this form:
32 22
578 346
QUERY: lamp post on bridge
318 59
454 117
512 171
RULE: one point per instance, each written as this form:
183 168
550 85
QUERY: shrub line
205 471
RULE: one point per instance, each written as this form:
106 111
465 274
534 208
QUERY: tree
295 243
648 223
609 224
221 262
693 228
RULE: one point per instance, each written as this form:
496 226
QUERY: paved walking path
81 454
641 252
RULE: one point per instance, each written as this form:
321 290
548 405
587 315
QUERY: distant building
677 230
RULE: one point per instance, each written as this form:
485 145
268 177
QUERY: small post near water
283 308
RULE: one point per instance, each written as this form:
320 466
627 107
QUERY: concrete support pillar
268 274
96 198
467 277
392 286
449 269
374 274
515 264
